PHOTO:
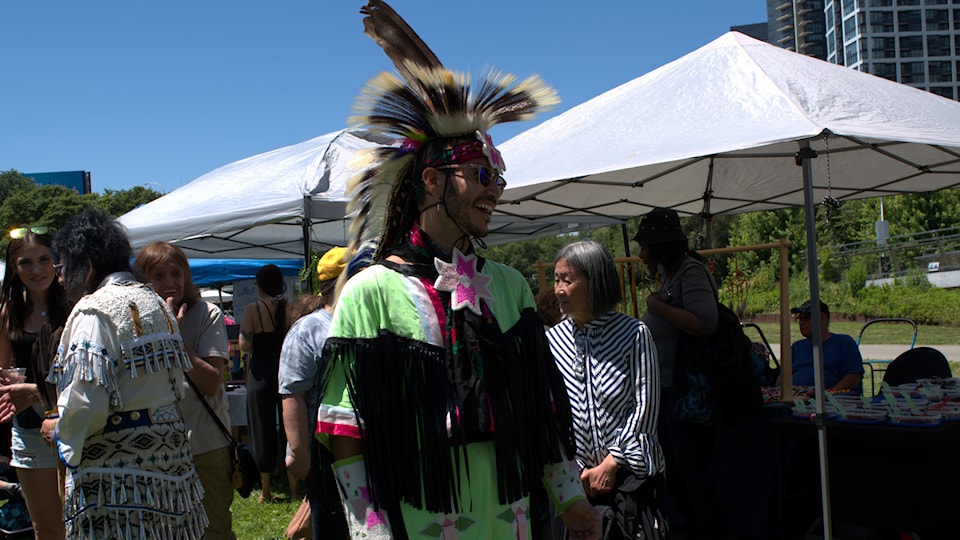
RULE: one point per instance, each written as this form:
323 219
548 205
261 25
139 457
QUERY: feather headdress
429 110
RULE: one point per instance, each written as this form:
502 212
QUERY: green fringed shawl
505 386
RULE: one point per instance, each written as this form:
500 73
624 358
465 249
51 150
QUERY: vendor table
237 404
883 476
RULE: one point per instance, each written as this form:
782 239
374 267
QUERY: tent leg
307 256
803 159
626 240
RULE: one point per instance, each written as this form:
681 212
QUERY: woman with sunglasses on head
30 299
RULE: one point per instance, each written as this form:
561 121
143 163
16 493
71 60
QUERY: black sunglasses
485 174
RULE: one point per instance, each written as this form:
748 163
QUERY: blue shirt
841 356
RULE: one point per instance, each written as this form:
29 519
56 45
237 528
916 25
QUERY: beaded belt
120 420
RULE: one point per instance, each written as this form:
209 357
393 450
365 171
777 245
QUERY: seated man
842 363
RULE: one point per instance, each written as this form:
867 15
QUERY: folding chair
917 363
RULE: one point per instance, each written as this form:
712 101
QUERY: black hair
668 253
409 193
95 238
15 306
270 281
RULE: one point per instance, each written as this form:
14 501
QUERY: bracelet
51 414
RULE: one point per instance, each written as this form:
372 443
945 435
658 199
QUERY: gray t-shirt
300 359
694 284
204 331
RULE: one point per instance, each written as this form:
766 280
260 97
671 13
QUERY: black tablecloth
883 476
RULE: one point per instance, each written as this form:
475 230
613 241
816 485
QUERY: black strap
223 428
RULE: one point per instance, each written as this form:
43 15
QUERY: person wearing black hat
842 362
682 307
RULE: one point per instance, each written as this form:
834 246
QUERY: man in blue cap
842 362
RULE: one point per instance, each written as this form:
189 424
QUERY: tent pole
803 159
307 256
626 240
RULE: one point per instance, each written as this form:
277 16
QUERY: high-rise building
809 31
914 42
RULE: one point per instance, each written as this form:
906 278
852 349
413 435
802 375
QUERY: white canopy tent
267 205
737 125
716 132
261 207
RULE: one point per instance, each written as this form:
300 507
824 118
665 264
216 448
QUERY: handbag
301 526
246 474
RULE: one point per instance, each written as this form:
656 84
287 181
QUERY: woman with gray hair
609 364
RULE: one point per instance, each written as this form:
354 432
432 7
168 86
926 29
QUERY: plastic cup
14 375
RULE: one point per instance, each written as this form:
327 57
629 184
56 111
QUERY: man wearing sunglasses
442 404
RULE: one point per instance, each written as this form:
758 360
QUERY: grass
266 521
885 333
879 333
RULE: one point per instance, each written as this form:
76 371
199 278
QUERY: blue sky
159 93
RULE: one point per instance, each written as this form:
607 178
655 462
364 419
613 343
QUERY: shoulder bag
246 474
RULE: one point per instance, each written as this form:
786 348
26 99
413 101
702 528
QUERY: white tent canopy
716 132
258 207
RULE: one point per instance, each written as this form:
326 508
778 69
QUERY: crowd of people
415 377
424 391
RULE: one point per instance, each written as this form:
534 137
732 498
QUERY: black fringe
402 389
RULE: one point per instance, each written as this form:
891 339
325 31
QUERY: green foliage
117 203
922 303
26 204
48 206
525 254
856 277
11 181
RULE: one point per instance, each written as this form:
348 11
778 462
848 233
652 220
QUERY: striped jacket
611 373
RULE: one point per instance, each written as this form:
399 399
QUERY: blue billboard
78 181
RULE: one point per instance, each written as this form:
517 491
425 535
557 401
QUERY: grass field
259 521
878 333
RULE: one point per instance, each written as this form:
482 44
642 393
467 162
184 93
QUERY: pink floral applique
467 285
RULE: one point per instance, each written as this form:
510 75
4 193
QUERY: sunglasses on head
485 174
19 233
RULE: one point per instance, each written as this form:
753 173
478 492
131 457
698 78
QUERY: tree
46 206
118 203
11 181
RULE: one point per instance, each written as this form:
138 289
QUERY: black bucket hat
660 226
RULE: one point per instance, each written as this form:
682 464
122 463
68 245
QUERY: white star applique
466 284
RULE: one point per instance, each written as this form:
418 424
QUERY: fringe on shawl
401 394
89 362
132 504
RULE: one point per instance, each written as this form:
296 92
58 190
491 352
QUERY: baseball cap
805 308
